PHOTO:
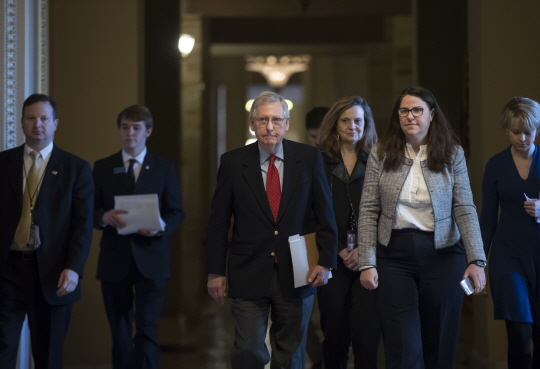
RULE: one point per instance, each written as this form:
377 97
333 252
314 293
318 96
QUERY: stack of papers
142 213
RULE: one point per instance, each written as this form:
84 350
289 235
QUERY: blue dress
514 263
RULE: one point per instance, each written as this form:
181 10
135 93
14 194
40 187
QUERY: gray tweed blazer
451 197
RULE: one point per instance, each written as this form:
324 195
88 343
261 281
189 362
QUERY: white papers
142 213
302 257
538 218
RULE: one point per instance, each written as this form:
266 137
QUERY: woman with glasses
416 204
512 181
348 311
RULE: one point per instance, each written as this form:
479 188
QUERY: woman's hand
532 207
478 277
350 258
369 278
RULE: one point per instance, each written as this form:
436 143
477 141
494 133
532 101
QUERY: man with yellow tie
46 197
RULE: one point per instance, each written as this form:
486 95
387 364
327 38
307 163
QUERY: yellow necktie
22 234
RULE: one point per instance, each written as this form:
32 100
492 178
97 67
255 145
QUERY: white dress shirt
137 166
414 209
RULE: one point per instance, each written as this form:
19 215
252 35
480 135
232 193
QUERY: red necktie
273 189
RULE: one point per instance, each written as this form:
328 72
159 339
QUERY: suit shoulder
67 156
10 152
239 152
105 161
302 147
303 151
159 159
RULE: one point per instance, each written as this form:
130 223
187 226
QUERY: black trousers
138 299
419 300
21 295
348 314
290 317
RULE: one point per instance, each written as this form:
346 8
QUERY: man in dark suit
46 197
133 268
272 188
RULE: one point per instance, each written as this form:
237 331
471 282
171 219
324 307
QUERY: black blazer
151 254
256 236
341 185
63 211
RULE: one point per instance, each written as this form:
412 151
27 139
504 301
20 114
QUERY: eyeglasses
264 121
416 112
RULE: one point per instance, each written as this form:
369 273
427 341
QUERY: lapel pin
147 167
54 172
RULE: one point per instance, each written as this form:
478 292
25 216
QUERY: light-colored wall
94 75
503 62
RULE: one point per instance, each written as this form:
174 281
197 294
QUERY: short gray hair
266 98
524 111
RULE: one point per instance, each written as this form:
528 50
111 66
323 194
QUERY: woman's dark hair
330 144
441 139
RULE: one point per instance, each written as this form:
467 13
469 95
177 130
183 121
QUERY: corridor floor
208 340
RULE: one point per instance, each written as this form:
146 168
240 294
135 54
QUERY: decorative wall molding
42 42
10 67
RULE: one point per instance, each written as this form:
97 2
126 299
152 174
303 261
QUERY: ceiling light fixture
277 70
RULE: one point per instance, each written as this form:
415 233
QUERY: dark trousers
140 299
348 314
290 317
21 295
419 300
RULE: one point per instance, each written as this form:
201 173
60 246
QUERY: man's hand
67 283
111 218
217 285
350 258
478 277
369 278
319 277
147 232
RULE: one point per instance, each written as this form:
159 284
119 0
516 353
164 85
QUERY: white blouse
414 209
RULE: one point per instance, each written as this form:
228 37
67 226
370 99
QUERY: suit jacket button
273 254
276 233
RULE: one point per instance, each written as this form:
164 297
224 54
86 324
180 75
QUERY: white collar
409 152
139 158
44 152
263 155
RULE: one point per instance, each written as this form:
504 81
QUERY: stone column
24 68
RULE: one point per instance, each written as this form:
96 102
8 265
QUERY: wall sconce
277 71
185 44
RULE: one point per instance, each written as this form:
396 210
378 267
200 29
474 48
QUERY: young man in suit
46 197
133 268
273 188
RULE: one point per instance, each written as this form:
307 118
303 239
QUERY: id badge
34 240
351 240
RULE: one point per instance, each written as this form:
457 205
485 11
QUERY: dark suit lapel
16 172
290 176
253 176
119 174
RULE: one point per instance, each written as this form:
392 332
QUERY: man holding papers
273 189
133 268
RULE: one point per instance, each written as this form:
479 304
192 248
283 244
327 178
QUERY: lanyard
32 196
353 218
